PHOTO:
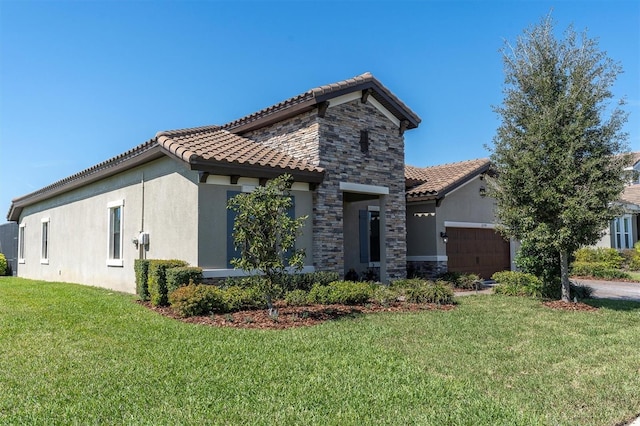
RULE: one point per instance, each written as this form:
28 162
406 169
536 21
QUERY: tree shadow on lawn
614 304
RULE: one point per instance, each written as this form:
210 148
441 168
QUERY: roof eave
274 117
255 170
18 204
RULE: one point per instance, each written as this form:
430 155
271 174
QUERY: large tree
558 149
265 233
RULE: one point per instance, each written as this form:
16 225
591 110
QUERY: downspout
141 248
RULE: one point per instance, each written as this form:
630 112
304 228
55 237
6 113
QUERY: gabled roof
431 183
314 97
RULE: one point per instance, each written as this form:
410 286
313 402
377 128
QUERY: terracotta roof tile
215 144
312 97
436 181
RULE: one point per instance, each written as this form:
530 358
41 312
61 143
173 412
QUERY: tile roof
631 194
215 145
309 99
435 182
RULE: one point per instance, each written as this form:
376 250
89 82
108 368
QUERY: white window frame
111 259
45 233
622 238
21 243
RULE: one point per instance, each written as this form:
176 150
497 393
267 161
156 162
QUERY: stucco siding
421 230
212 233
79 226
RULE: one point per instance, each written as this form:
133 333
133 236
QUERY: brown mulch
569 306
292 316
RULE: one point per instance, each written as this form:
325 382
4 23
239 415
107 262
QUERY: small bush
191 300
320 294
237 298
384 295
597 270
181 276
580 292
462 281
515 283
421 291
141 268
407 283
610 257
296 298
158 280
4 266
350 292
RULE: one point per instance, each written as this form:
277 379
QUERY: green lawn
71 354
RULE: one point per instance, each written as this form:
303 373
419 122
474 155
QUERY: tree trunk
564 275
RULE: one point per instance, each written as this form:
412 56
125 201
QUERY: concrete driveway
617 290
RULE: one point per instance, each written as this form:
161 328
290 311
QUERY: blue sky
83 81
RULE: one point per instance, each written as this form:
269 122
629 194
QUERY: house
624 231
451 221
343 143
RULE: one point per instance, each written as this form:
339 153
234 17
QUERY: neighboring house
343 144
624 231
451 221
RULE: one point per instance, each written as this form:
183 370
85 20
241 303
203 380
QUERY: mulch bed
569 306
293 316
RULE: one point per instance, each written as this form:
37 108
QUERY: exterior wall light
445 237
483 191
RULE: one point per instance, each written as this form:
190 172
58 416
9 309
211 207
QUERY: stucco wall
421 231
79 226
212 210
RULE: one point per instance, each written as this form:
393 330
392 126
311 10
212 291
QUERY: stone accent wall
426 269
296 136
333 142
382 165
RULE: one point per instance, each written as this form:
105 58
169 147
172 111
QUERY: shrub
237 298
181 276
384 294
462 281
610 257
597 270
4 266
406 283
320 294
516 283
141 268
420 291
191 300
158 280
580 292
296 298
535 257
350 292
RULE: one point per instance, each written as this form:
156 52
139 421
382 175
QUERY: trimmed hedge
610 257
158 279
597 270
4 266
344 292
141 267
516 283
181 276
439 292
191 300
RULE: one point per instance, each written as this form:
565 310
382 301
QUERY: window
21 244
622 232
369 236
44 250
115 233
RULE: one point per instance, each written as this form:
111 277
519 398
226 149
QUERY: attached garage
477 251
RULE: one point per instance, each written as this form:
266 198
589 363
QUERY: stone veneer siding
382 165
333 142
426 269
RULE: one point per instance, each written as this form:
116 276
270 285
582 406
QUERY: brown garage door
477 251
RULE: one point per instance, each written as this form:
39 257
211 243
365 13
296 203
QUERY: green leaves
265 231
557 158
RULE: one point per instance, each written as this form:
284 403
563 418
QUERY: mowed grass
71 354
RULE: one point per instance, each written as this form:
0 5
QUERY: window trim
21 243
44 240
622 237
112 261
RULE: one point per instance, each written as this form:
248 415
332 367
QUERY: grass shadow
614 304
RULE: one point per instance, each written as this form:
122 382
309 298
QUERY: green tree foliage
558 159
266 235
